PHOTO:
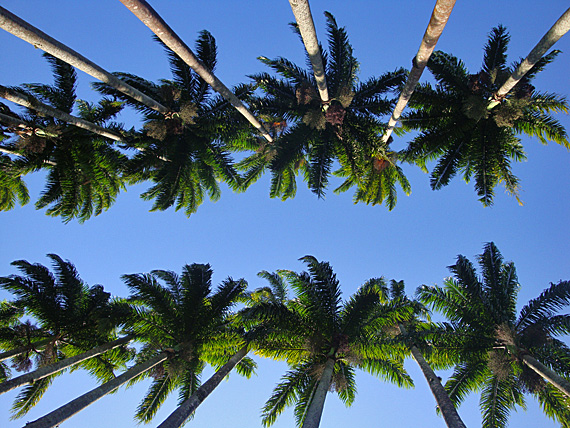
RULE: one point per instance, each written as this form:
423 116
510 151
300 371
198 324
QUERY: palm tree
418 338
142 10
505 355
347 131
83 168
324 340
184 154
462 134
34 36
182 326
72 318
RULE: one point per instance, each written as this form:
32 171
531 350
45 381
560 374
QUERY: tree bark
75 406
45 371
304 18
448 410
437 23
559 28
34 36
315 410
555 379
188 407
26 101
143 11
17 351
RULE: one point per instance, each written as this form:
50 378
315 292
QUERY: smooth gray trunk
304 18
20 350
185 410
555 379
315 410
559 28
34 36
143 11
437 23
75 406
48 370
32 103
448 410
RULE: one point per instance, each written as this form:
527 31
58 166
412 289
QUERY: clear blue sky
244 233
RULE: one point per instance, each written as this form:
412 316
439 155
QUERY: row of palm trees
467 123
181 324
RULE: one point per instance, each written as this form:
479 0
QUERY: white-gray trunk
315 410
304 18
437 23
48 370
555 379
559 28
188 407
32 103
448 410
143 11
75 406
34 36
22 349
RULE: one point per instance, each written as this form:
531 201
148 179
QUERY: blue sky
242 234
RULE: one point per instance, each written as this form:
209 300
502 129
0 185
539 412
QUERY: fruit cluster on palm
464 133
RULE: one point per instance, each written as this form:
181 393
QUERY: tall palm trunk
48 370
34 36
437 23
188 407
32 103
559 28
555 379
315 410
304 18
448 410
75 406
143 11
22 349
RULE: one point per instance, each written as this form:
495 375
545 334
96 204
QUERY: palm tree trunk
68 410
17 351
315 410
437 22
143 11
558 381
32 103
448 410
304 18
559 28
188 407
60 365
34 36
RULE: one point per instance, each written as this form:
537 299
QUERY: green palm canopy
312 136
460 131
505 355
324 339
184 153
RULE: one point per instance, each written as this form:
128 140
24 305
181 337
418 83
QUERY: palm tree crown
324 339
498 343
460 131
185 318
345 129
184 153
